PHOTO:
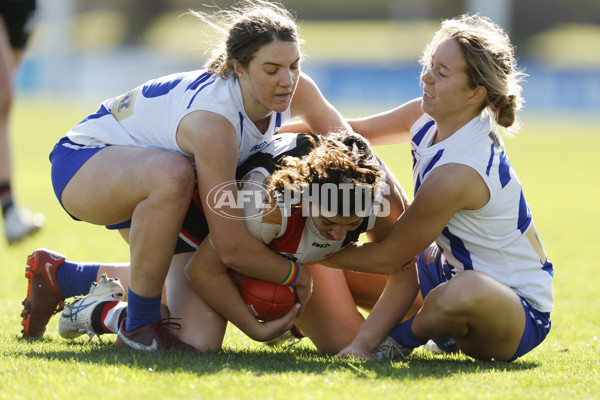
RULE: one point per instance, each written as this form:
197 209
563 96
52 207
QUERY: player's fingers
303 295
304 289
355 353
276 327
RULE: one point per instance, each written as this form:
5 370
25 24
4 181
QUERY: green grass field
555 161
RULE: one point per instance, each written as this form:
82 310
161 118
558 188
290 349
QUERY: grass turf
553 156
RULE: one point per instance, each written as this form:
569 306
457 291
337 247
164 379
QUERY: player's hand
304 287
357 351
269 330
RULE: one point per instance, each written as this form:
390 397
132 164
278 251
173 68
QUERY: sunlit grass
554 158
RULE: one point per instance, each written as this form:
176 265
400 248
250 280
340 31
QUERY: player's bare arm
396 299
418 227
314 110
209 277
215 163
389 127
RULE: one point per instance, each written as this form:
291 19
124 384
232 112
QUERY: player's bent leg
330 319
118 271
484 316
123 177
201 326
152 188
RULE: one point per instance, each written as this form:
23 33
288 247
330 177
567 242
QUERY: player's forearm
214 285
252 258
363 257
393 304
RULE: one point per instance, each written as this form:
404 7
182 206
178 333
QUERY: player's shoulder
306 90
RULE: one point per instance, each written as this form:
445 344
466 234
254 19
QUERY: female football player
486 281
133 163
300 233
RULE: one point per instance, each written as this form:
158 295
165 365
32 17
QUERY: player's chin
426 104
280 104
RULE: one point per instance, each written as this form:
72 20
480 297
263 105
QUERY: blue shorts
433 272
66 158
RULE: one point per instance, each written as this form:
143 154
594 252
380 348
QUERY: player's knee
176 179
458 296
332 345
205 345
333 335
202 341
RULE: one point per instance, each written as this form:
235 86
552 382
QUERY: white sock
111 315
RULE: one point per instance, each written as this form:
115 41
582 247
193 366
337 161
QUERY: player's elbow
230 251
390 263
231 257
382 260
385 266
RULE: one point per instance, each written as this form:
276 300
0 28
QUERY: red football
266 300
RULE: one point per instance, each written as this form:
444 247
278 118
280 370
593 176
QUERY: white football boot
76 319
19 222
389 349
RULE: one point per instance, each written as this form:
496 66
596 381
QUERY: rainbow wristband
292 275
297 274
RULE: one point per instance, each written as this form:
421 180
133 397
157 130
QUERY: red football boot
152 337
44 297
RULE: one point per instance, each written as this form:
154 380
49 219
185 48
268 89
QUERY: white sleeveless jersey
148 116
500 239
296 237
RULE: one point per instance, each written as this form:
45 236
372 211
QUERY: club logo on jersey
124 105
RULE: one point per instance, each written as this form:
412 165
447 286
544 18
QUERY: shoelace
162 331
390 350
167 323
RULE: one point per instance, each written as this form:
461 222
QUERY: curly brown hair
343 160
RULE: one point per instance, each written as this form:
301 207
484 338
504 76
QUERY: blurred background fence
362 53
